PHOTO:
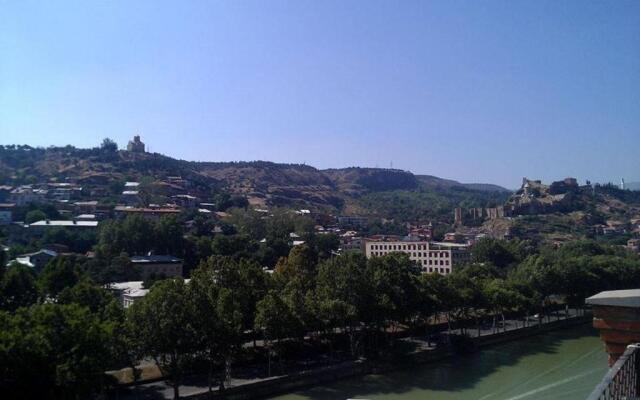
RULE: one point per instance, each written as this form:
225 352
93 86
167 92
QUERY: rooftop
88 224
617 298
131 289
146 210
155 259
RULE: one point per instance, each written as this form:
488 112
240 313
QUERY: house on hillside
72 224
6 213
131 198
35 260
27 194
128 292
151 213
158 265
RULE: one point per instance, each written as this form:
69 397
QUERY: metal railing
622 382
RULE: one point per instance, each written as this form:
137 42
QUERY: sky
477 91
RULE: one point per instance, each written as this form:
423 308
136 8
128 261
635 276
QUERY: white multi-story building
430 256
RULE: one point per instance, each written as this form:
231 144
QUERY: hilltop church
135 145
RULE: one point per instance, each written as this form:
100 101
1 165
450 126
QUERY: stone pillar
616 314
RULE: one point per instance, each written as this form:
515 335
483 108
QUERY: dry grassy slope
263 182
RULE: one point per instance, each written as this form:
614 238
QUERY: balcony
616 314
621 382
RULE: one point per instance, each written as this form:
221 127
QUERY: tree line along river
561 365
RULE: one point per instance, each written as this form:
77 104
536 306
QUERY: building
128 292
6 213
35 260
135 145
46 223
352 221
185 200
350 242
158 265
151 213
430 256
131 198
64 191
27 194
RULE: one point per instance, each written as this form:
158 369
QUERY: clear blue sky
479 91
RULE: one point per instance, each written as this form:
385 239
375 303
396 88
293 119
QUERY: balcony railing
622 381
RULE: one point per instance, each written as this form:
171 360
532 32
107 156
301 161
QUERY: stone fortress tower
135 145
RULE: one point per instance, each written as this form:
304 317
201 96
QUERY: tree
35 216
87 294
493 251
247 282
119 269
18 288
394 280
274 319
344 296
134 235
501 298
169 237
58 274
3 263
165 320
300 264
326 244
53 351
108 145
220 316
231 245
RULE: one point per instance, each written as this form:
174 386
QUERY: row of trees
354 304
61 331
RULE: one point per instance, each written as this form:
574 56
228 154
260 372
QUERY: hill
387 193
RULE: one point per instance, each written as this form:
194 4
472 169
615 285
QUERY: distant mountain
345 190
434 181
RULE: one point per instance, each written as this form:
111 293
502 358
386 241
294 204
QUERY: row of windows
435 262
444 271
399 247
417 254
424 262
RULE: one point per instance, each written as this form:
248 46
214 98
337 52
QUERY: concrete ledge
617 317
617 298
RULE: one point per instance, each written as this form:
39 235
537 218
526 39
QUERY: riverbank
419 352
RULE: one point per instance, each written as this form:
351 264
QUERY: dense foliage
61 330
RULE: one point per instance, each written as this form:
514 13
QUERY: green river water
560 365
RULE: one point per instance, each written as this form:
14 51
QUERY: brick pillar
616 314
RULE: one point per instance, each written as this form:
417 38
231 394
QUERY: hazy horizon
478 93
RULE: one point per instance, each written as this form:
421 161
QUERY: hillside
387 193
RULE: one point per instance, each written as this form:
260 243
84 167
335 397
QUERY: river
560 365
